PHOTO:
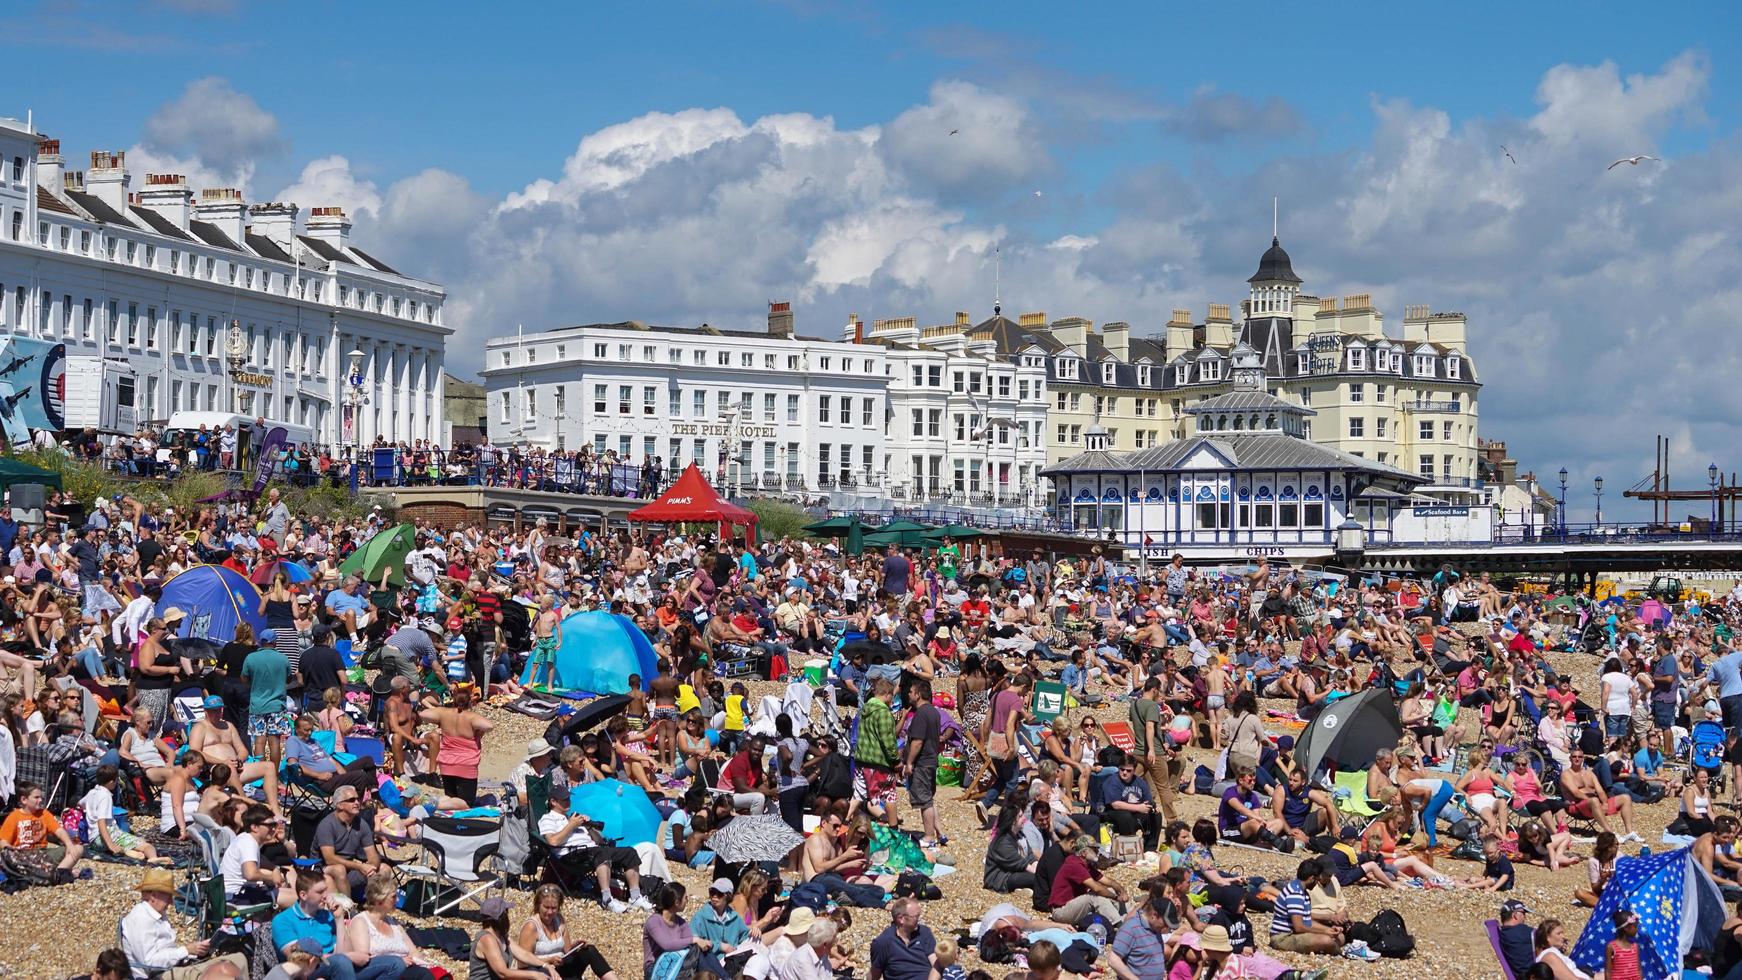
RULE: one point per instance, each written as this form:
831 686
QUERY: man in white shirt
149 940
572 842
129 627
810 961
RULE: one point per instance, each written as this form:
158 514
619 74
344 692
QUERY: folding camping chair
459 859
207 891
1493 928
1349 793
1706 750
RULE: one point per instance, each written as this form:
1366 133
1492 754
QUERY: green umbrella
834 527
955 531
901 524
855 535
385 551
901 539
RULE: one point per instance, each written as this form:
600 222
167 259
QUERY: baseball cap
722 886
310 945
1513 905
213 703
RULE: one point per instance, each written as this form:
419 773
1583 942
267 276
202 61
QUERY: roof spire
1274 210
997 281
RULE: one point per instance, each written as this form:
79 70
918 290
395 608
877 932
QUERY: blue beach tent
1678 904
215 599
597 652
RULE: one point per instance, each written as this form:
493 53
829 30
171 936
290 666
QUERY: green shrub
776 519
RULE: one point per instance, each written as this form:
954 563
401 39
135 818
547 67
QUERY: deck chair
458 854
1349 792
213 839
1493 927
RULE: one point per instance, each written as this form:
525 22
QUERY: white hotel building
807 414
168 285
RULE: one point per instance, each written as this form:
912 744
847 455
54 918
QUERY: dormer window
1109 373
1304 364
1068 368
1143 376
1424 365
1182 375
1357 359
1452 367
1212 370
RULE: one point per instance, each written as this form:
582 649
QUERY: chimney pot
108 178
780 319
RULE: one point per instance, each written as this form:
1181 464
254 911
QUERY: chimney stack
1032 320
1219 327
780 319
1117 337
273 221
222 208
962 318
107 179
1179 333
168 195
331 225
49 167
1073 332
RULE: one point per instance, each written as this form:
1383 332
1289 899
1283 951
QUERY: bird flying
954 132
1631 160
1508 153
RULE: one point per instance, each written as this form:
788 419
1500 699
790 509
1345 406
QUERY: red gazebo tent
692 500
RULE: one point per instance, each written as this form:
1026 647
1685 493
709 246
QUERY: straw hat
157 880
1214 939
798 923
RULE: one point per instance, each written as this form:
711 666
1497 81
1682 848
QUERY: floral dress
973 708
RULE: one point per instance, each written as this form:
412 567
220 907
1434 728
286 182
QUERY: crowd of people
938 676
151 452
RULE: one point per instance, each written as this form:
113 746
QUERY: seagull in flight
1631 160
1037 194
1508 153
954 132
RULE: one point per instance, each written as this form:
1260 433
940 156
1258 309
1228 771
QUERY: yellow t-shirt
734 712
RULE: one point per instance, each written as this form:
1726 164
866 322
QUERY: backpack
810 895
1391 936
72 820
1203 780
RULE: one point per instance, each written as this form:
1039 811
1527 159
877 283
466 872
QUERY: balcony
1424 406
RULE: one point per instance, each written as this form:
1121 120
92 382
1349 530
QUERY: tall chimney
168 195
1117 337
780 319
107 179
49 166
1179 333
331 225
222 207
273 221
961 318
1073 332
1219 327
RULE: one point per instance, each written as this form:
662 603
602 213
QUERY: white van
190 422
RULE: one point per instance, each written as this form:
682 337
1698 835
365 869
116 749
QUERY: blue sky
684 162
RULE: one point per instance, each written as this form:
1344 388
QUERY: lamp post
1562 516
236 358
1599 486
1712 475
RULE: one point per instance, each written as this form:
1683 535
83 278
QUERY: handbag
998 746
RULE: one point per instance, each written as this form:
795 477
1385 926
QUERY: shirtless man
1709 850
546 634
823 853
215 739
1379 775
1579 787
664 691
401 724
1215 700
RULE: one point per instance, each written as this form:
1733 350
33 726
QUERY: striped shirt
1292 902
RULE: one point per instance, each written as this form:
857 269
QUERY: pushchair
1706 744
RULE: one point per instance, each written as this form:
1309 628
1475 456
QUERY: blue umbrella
295 573
624 811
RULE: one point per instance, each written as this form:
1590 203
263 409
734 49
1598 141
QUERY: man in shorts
267 672
919 765
218 741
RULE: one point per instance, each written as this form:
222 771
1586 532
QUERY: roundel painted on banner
54 386
1330 721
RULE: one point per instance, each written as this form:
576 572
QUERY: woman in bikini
462 740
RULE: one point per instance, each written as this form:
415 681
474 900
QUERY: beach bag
1203 780
30 866
809 895
679 964
1391 938
893 850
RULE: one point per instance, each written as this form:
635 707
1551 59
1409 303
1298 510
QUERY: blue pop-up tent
597 651
215 599
1678 904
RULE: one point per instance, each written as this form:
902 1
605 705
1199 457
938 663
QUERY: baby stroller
1706 744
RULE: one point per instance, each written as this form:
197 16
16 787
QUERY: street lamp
1712 475
1599 484
1563 505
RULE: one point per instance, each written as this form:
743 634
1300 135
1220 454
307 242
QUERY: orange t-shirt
26 832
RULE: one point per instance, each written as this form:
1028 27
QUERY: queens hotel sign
724 429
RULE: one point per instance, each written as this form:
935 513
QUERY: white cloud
965 142
213 122
329 181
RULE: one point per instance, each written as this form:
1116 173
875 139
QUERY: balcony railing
1424 405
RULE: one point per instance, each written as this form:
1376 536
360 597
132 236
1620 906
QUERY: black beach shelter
1348 733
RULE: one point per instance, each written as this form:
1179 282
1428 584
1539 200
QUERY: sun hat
173 614
157 880
1214 939
536 747
493 908
797 924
